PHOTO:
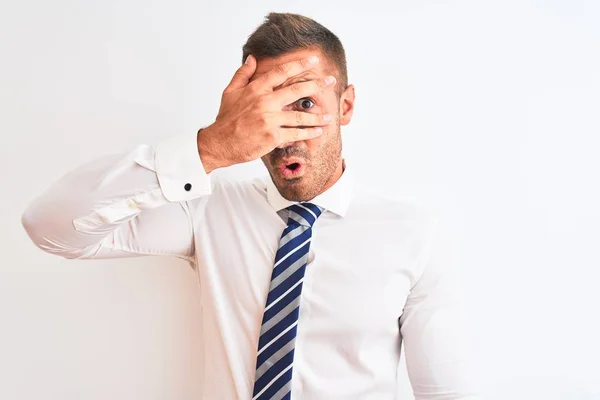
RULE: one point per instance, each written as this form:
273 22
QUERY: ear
347 105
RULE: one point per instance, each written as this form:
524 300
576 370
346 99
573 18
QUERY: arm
433 327
136 203
123 205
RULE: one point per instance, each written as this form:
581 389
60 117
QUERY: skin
283 110
321 156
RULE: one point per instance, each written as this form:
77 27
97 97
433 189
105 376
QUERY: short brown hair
283 33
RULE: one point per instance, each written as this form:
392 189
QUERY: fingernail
327 117
330 80
313 59
318 131
248 58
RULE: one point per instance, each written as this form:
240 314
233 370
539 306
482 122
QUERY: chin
294 189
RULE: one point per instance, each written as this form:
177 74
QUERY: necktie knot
304 214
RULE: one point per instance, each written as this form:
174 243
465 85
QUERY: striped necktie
273 379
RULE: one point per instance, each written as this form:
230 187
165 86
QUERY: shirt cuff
180 172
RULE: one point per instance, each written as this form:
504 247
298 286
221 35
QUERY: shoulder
404 211
225 187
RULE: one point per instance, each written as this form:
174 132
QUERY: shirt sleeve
439 356
122 205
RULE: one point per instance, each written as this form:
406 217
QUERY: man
309 284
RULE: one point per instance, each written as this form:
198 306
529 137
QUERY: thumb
242 76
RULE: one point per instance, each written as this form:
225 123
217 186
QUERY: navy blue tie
273 378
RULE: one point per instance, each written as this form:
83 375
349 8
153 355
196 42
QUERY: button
188 187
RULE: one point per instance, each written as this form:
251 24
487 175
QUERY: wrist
206 150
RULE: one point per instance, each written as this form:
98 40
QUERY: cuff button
188 187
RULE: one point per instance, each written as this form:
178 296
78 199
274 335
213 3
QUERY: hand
251 122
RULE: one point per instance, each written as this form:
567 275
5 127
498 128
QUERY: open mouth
292 170
293 166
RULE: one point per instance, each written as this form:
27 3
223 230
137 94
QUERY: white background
486 111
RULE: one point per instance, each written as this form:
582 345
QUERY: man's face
302 170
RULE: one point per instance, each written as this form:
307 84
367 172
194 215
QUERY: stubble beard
321 168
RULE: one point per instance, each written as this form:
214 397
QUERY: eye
304 104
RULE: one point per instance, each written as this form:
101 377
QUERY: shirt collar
335 199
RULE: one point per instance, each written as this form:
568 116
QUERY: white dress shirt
379 271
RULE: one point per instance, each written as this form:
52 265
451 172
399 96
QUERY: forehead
266 64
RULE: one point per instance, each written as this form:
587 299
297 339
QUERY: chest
356 281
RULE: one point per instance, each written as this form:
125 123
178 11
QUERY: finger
280 73
242 76
297 134
296 91
300 118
